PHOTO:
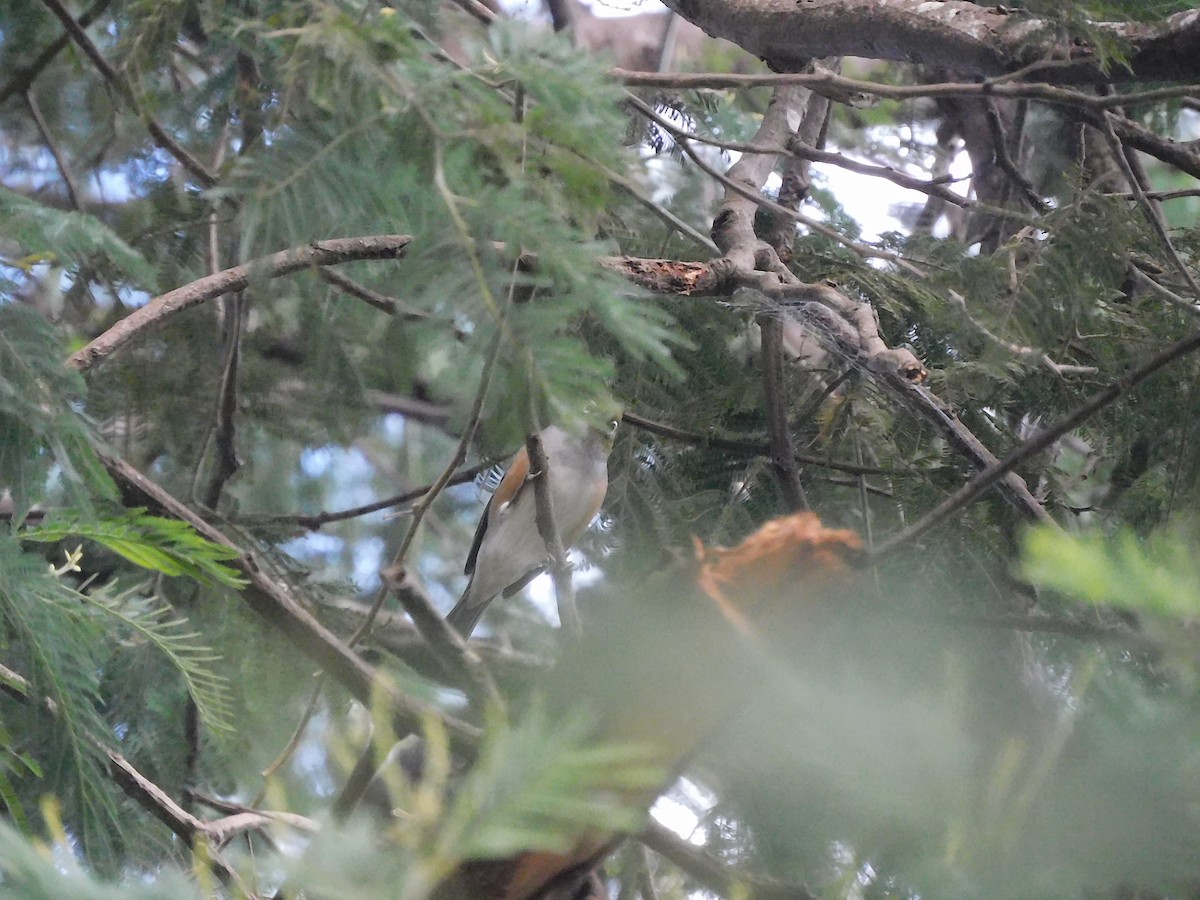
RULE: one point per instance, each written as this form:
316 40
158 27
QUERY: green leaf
59 645
1156 575
69 237
180 643
542 784
160 545
40 422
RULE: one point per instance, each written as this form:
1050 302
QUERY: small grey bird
508 552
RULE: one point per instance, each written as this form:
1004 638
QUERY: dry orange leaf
784 555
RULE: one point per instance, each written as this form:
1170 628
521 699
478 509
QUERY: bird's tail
465 615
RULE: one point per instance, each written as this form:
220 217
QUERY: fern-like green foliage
1156 575
168 546
481 178
54 642
153 621
69 238
40 423
34 870
541 784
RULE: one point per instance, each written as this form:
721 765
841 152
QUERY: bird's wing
506 491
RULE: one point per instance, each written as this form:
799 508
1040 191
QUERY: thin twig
421 507
1149 209
389 305
935 187
227 463
837 87
59 159
1166 293
315 521
662 212
1004 158
748 448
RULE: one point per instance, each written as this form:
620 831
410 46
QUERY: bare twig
316 520
382 302
657 209
1149 209
837 87
59 159
226 463
1166 293
320 253
749 448
1004 158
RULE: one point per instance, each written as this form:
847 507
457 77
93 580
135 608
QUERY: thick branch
321 253
952 34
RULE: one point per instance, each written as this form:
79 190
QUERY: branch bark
275 605
163 307
953 34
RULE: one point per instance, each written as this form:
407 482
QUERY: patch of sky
368 556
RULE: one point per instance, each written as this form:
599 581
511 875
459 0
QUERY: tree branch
272 602
160 135
843 89
783 458
749 448
382 302
951 34
316 520
59 159
989 476
320 253
24 78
